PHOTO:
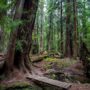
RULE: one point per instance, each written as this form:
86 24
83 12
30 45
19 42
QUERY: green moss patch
60 63
16 86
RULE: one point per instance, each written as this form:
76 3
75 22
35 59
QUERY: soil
77 70
38 69
80 87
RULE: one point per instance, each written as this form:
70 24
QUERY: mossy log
38 58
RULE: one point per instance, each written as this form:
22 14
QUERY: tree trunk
25 34
19 58
41 27
75 29
84 20
11 47
61 28
68 45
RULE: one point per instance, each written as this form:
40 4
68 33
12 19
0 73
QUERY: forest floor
67 70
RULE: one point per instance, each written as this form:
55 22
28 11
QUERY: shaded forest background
59 26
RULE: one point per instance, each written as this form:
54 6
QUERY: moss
50 59
60 63
20 84
2 87
16 86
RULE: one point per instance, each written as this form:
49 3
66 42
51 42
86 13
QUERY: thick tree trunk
19 58
11 48
68 45
25 35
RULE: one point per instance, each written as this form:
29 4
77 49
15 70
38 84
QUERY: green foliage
17 86
87 39
34 37
19 46
8 25
3 6
60 63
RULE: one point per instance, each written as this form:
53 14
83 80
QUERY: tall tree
62 27
68 46
84 20
75 29
19 58
12 43
41 26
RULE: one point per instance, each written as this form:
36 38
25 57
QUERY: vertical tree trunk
19 58
84 20
75 29
25 34
41 32
50 32
11 48
68 45
49 36
48 40
61 28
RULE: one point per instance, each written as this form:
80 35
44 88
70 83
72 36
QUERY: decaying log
38 58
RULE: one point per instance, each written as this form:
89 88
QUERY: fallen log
38 58
49 82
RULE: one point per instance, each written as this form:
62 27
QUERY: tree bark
11 47
25 35
41 27
75 29
61 28
68 45
19 58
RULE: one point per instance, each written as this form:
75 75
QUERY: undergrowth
60 63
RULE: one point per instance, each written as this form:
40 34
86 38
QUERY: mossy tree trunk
22 35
